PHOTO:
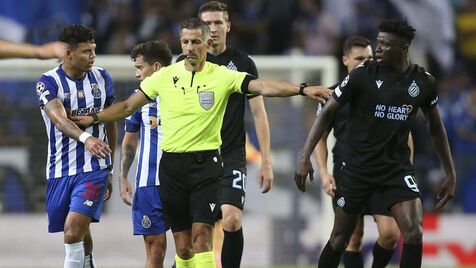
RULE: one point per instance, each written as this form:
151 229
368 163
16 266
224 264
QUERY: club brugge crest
206 99
146 223
413 89
95 91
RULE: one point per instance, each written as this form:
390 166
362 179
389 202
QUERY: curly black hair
75 34
398 27
153 51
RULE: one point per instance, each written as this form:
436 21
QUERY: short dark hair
398 27
153 51
75 33
214 6
196 23
354 41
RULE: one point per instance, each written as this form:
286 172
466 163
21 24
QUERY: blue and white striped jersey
147 120
90 94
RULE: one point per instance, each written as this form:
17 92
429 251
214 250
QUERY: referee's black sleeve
148 98
246 82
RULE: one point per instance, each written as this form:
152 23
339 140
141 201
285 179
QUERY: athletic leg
155 247
344 225
75 228
387 240
218 243
352 256
408 215
89 261
233 236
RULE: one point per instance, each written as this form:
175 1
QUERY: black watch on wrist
95 119
301 88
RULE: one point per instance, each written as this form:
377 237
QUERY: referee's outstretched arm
278 88
116 111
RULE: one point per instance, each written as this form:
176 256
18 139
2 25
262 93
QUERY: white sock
89 261
74 257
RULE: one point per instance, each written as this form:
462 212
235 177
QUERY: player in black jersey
384 97
228 240
357 49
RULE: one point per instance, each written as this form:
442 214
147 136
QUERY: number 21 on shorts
239 181
411 183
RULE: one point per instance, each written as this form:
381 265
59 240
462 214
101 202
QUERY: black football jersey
233 130
382 107
338 124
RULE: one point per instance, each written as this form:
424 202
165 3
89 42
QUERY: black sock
329 257
382 256
353 259
232 249
411 256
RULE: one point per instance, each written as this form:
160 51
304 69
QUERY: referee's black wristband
302 86
95 118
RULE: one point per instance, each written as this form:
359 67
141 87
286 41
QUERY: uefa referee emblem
413 89
206 99
145 222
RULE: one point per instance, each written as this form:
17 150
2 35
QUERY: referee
193 97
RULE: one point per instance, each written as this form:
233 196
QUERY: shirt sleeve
432 99
109 88
254 72
150 85
46 90
349 87
132 122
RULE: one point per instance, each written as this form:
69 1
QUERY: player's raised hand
318 93
303 169
447 191
97 147
266 177
83 121
125 190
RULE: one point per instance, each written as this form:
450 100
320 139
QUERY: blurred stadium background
295 40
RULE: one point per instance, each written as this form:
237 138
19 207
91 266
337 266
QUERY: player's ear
404 48
157 66
345 60
228 26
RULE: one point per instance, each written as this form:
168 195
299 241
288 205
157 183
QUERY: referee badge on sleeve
206 99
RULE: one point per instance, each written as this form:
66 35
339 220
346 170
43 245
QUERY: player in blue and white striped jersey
147 209
79 161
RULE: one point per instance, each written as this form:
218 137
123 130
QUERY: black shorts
379 191
190 188
233 184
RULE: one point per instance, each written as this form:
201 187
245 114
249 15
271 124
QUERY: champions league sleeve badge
413 89
40 88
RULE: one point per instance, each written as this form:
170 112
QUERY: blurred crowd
445 45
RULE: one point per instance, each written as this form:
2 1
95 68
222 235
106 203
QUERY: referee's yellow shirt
192 104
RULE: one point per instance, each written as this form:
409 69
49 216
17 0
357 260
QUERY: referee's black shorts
190 187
